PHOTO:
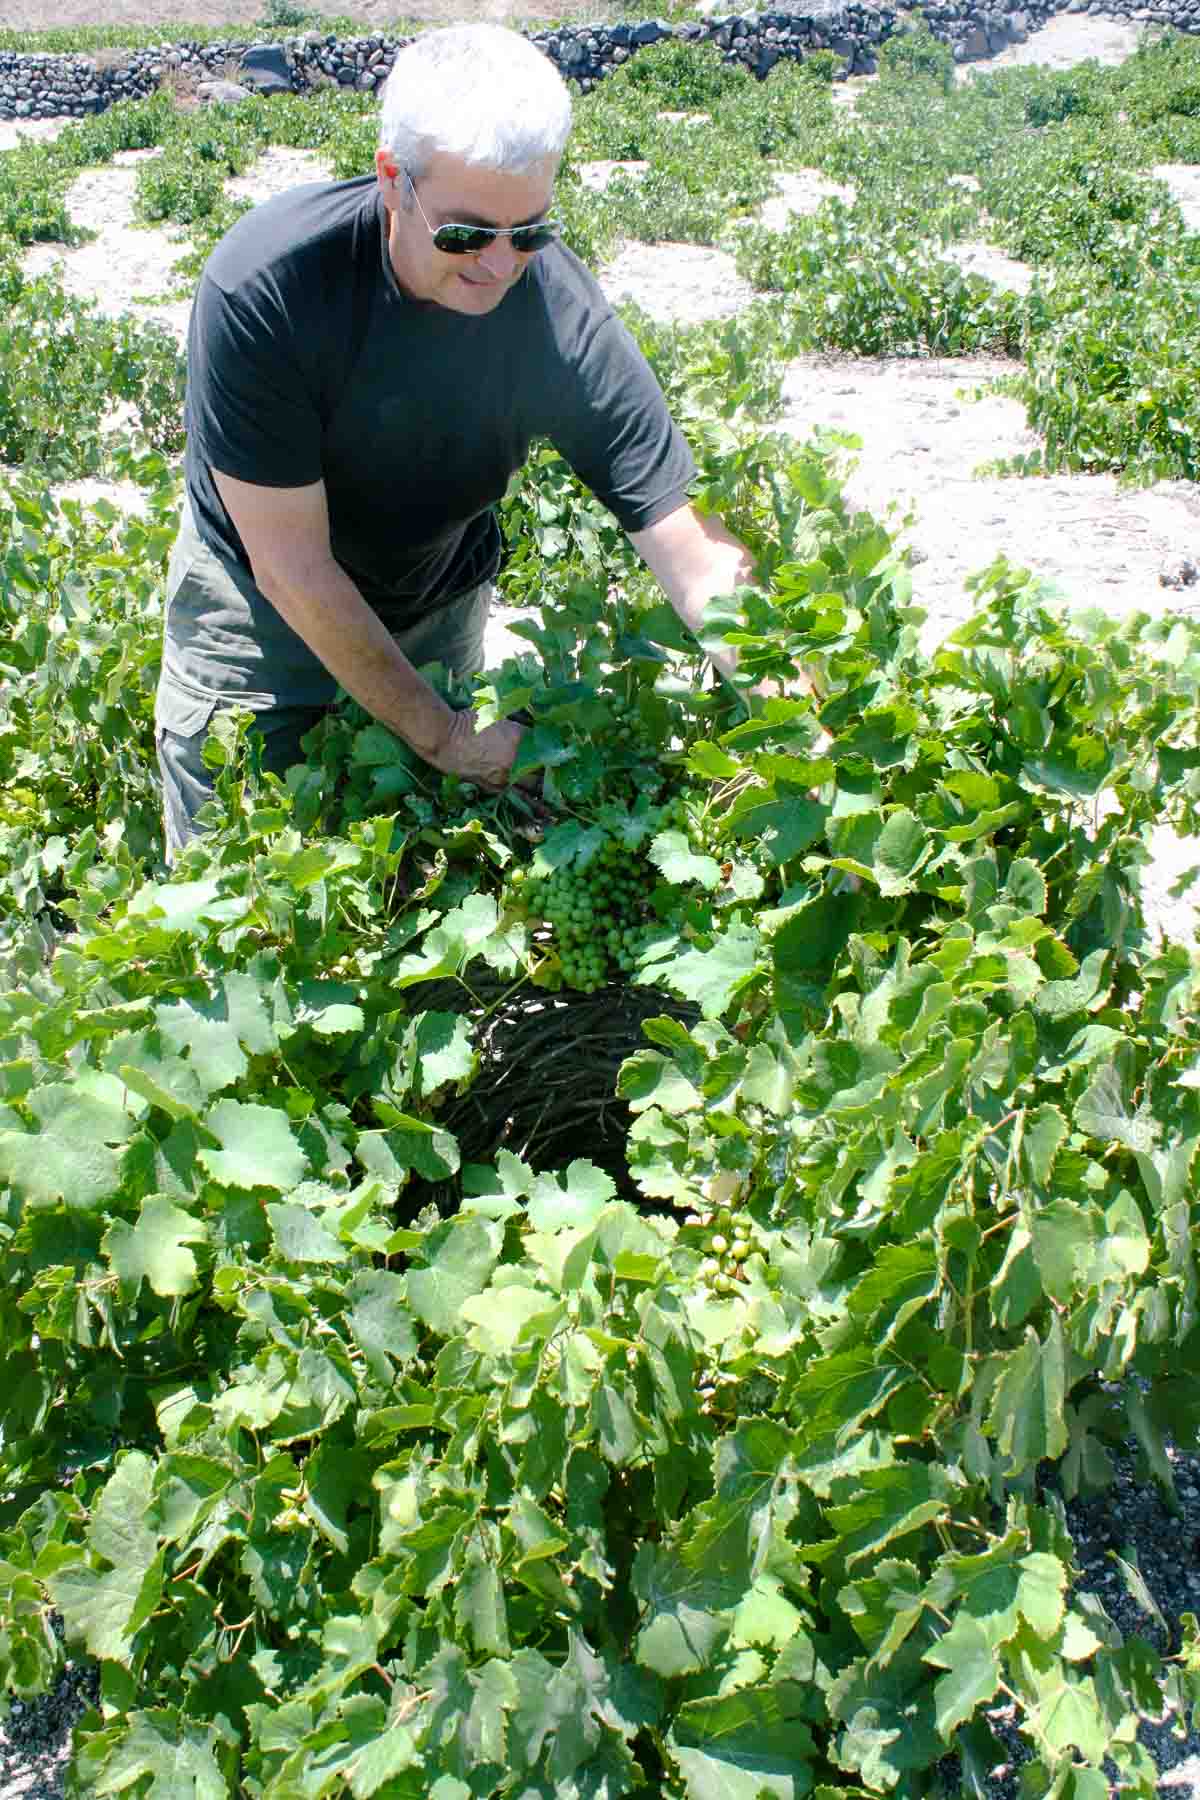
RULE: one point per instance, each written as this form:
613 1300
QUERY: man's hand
694 557
484 757
286 534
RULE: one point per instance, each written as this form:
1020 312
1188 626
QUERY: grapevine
366 1458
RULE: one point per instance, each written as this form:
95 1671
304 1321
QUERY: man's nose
499 260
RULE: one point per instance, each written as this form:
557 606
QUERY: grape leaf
573 1201
178 1756
745 1745
686 1612
257 1147
74 1156
711 977
154 1249
379 1316
459 1258
890 1503
902 849
966 1651
1027 1414
671 853
408 1144
105 1608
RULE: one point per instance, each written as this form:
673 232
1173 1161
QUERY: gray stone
264 67
1179 572
222 93
366 82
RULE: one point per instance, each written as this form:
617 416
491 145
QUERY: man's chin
465 295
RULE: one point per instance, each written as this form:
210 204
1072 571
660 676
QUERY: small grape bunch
628 730
688 811
597 914
729 1240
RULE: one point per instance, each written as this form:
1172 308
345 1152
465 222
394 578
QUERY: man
369 361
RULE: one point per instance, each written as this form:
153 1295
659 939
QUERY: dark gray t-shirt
307 362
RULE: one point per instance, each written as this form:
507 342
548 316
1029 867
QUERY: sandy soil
375 15
123 266
1063 41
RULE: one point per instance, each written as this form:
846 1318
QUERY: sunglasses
469 240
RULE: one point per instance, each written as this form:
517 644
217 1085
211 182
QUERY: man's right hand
484 757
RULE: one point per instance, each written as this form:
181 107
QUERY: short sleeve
613 427
254 409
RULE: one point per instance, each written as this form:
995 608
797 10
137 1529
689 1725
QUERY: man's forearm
730 566
325 608
694 557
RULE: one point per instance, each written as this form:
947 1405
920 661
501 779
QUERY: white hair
478 92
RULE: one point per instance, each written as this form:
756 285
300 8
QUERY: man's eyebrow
470 218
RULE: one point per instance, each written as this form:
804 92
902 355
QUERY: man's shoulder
295 233
572 305
566 283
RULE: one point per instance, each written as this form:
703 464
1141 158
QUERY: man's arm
286 535
693 557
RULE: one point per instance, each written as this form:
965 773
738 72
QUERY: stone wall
42 86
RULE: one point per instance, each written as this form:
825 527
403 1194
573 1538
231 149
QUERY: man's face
454 192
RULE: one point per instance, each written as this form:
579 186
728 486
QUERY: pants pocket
181 722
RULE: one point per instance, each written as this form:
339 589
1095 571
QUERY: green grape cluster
728 1241
596 913
628 732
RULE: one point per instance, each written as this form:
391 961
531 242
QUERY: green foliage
1112 391
1054 168
819 66
914 52
63 366
1161 81
284 15
682 76
80 610
741 1475
731 1491
80 39
891 295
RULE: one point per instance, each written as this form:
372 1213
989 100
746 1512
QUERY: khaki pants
218 660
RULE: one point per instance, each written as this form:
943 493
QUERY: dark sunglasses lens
527 238
469 240
462 240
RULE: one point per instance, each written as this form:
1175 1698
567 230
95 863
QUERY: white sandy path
129 267
1063 42
124 267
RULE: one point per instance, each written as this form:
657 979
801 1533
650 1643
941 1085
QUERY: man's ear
387 169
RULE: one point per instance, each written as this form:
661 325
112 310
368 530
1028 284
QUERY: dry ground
375 15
